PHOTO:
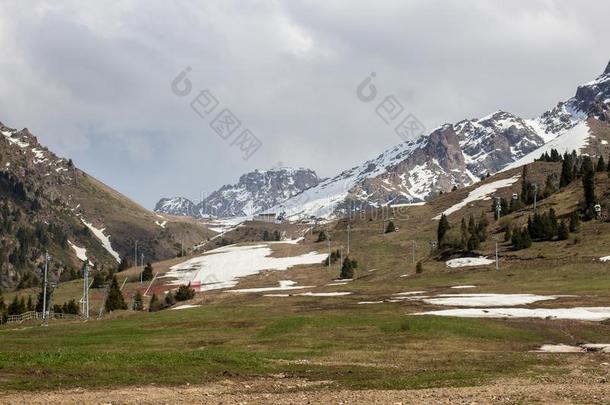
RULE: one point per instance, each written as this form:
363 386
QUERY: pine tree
567 171
419 268
473 242
553 224
30 304
463 234
574 222
138 304
154 304
115 299
390 227
347 269
507 234
321 236
549 186
601 165
443 228
147 273
562 232
184 293
588 182
472 226
516 239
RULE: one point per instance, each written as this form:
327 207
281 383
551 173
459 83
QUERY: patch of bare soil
287 390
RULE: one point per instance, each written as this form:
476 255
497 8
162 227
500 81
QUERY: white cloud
92 78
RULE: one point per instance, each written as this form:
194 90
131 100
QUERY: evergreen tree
30 304
562 232
347 269
184 293
419 268
553 224
601 165
114 299
154 305
473 242
463 234
443 228
147 273
390 227
138 304
567 171
507 234
549 186
588 182
266 235
472 226
321 236
276 235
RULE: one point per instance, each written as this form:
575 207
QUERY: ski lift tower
85 299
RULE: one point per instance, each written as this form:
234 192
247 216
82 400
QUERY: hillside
48 203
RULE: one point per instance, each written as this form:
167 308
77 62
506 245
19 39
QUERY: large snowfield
222 267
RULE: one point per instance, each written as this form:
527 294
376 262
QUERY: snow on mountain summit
453 155
254 192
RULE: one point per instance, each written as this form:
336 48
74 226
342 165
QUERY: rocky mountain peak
254 192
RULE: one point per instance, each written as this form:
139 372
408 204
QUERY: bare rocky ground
296 391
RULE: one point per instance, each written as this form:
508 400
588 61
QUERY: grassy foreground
365 347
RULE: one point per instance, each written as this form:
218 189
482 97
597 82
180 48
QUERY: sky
100 81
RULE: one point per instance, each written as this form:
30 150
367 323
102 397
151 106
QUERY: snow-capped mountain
254 192
176 206
457 155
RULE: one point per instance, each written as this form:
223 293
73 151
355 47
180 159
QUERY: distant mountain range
254 192
452 155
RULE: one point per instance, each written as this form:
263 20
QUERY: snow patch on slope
483 192
99 234
222 267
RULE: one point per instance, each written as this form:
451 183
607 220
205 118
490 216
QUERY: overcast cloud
92 79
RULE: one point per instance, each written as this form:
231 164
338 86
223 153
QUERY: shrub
184 293
419 268
390 227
